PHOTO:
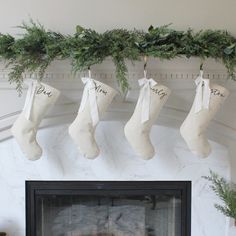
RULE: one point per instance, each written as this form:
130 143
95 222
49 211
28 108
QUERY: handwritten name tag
160 92
42 90
217 92
99 89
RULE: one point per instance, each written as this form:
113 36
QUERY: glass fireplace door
108 208
151 215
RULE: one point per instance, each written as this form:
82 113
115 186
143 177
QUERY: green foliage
33 52
86 48
161 42
120 45
38 47
217 44
6 43
226 192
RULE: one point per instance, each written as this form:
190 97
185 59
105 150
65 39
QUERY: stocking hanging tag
90 95
145 97
203 93
32 85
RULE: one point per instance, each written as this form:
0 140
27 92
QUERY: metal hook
201 64
145 62
201 68
145 66
89 72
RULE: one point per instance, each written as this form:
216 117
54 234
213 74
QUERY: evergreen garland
226 192
38 47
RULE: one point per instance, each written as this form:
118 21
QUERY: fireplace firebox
108 208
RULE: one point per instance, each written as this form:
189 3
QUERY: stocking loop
90 94
145 97
32 85
203 93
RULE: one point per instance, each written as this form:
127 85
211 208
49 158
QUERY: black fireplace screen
80 208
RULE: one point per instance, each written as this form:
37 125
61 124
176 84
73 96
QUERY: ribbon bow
203 93
32 85
90 94
145 95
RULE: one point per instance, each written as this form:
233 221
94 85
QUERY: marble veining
117 161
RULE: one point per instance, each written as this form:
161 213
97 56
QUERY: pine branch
226 192
38 47
121 73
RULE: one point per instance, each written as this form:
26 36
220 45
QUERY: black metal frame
35 189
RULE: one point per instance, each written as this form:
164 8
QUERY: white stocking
95 101
207 102
40 97
151 99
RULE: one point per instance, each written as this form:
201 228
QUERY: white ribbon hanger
89 93
145 97
145 93
32 85
203 93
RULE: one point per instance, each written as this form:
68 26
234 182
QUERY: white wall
64 15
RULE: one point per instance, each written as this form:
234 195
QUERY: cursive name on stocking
99 89
217 92
42 90
160 92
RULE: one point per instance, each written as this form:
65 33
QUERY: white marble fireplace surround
173 161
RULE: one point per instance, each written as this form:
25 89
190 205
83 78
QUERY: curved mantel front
177 74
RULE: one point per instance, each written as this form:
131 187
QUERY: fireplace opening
107 208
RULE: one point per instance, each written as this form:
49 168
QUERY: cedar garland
38 47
